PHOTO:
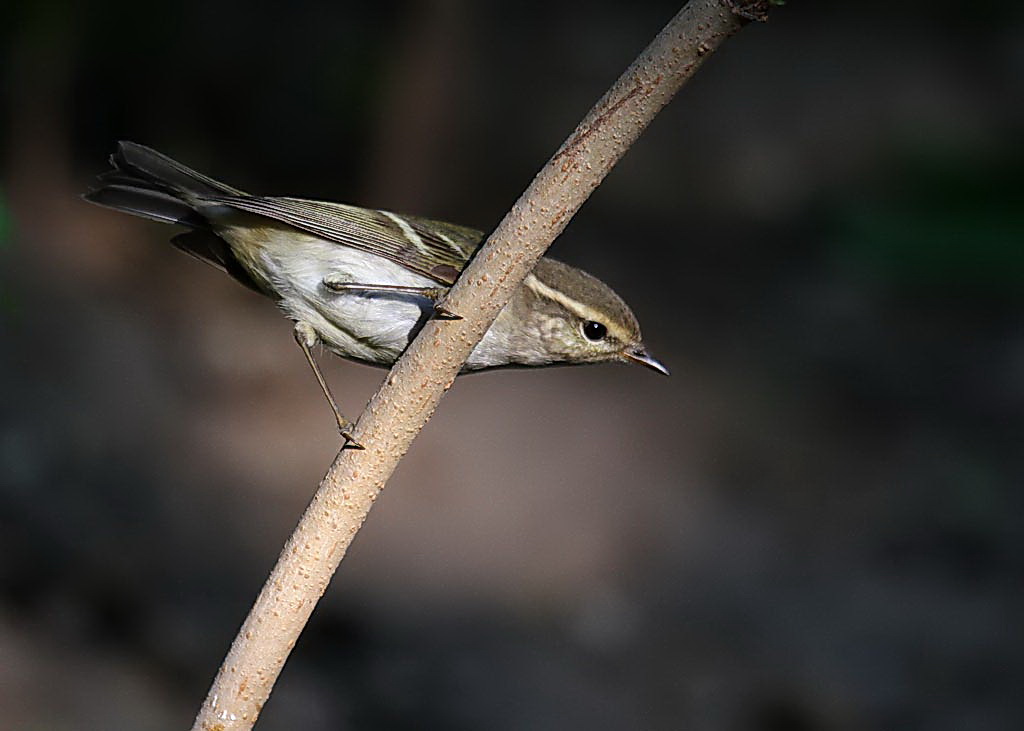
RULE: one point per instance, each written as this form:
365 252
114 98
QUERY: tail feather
207 246
149 166
146 202
145 183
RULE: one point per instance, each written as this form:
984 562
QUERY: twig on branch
415 385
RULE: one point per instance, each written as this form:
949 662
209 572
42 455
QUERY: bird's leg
434 294
306 337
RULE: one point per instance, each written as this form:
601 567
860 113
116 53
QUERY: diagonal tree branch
426 370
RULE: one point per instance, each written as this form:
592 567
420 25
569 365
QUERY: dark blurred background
816 523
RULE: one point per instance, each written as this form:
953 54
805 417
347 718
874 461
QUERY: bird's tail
146 183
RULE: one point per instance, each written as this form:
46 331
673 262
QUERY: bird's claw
345 429
443 313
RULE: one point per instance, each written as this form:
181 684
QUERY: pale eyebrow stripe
577 308
410 233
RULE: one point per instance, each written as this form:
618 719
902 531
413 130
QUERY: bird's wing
434 249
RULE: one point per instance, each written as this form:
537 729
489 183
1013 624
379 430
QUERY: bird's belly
369 326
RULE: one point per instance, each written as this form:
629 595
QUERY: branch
415 385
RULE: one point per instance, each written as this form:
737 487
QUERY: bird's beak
640 356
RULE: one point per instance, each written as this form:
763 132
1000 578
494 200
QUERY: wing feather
434 249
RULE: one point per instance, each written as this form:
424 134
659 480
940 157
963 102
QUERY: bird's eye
594 331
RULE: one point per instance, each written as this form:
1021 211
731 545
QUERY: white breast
370 326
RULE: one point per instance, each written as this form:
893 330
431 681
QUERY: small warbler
363 282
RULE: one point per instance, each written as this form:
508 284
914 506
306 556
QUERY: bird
362 282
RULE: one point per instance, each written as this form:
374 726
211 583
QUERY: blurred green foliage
955 224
